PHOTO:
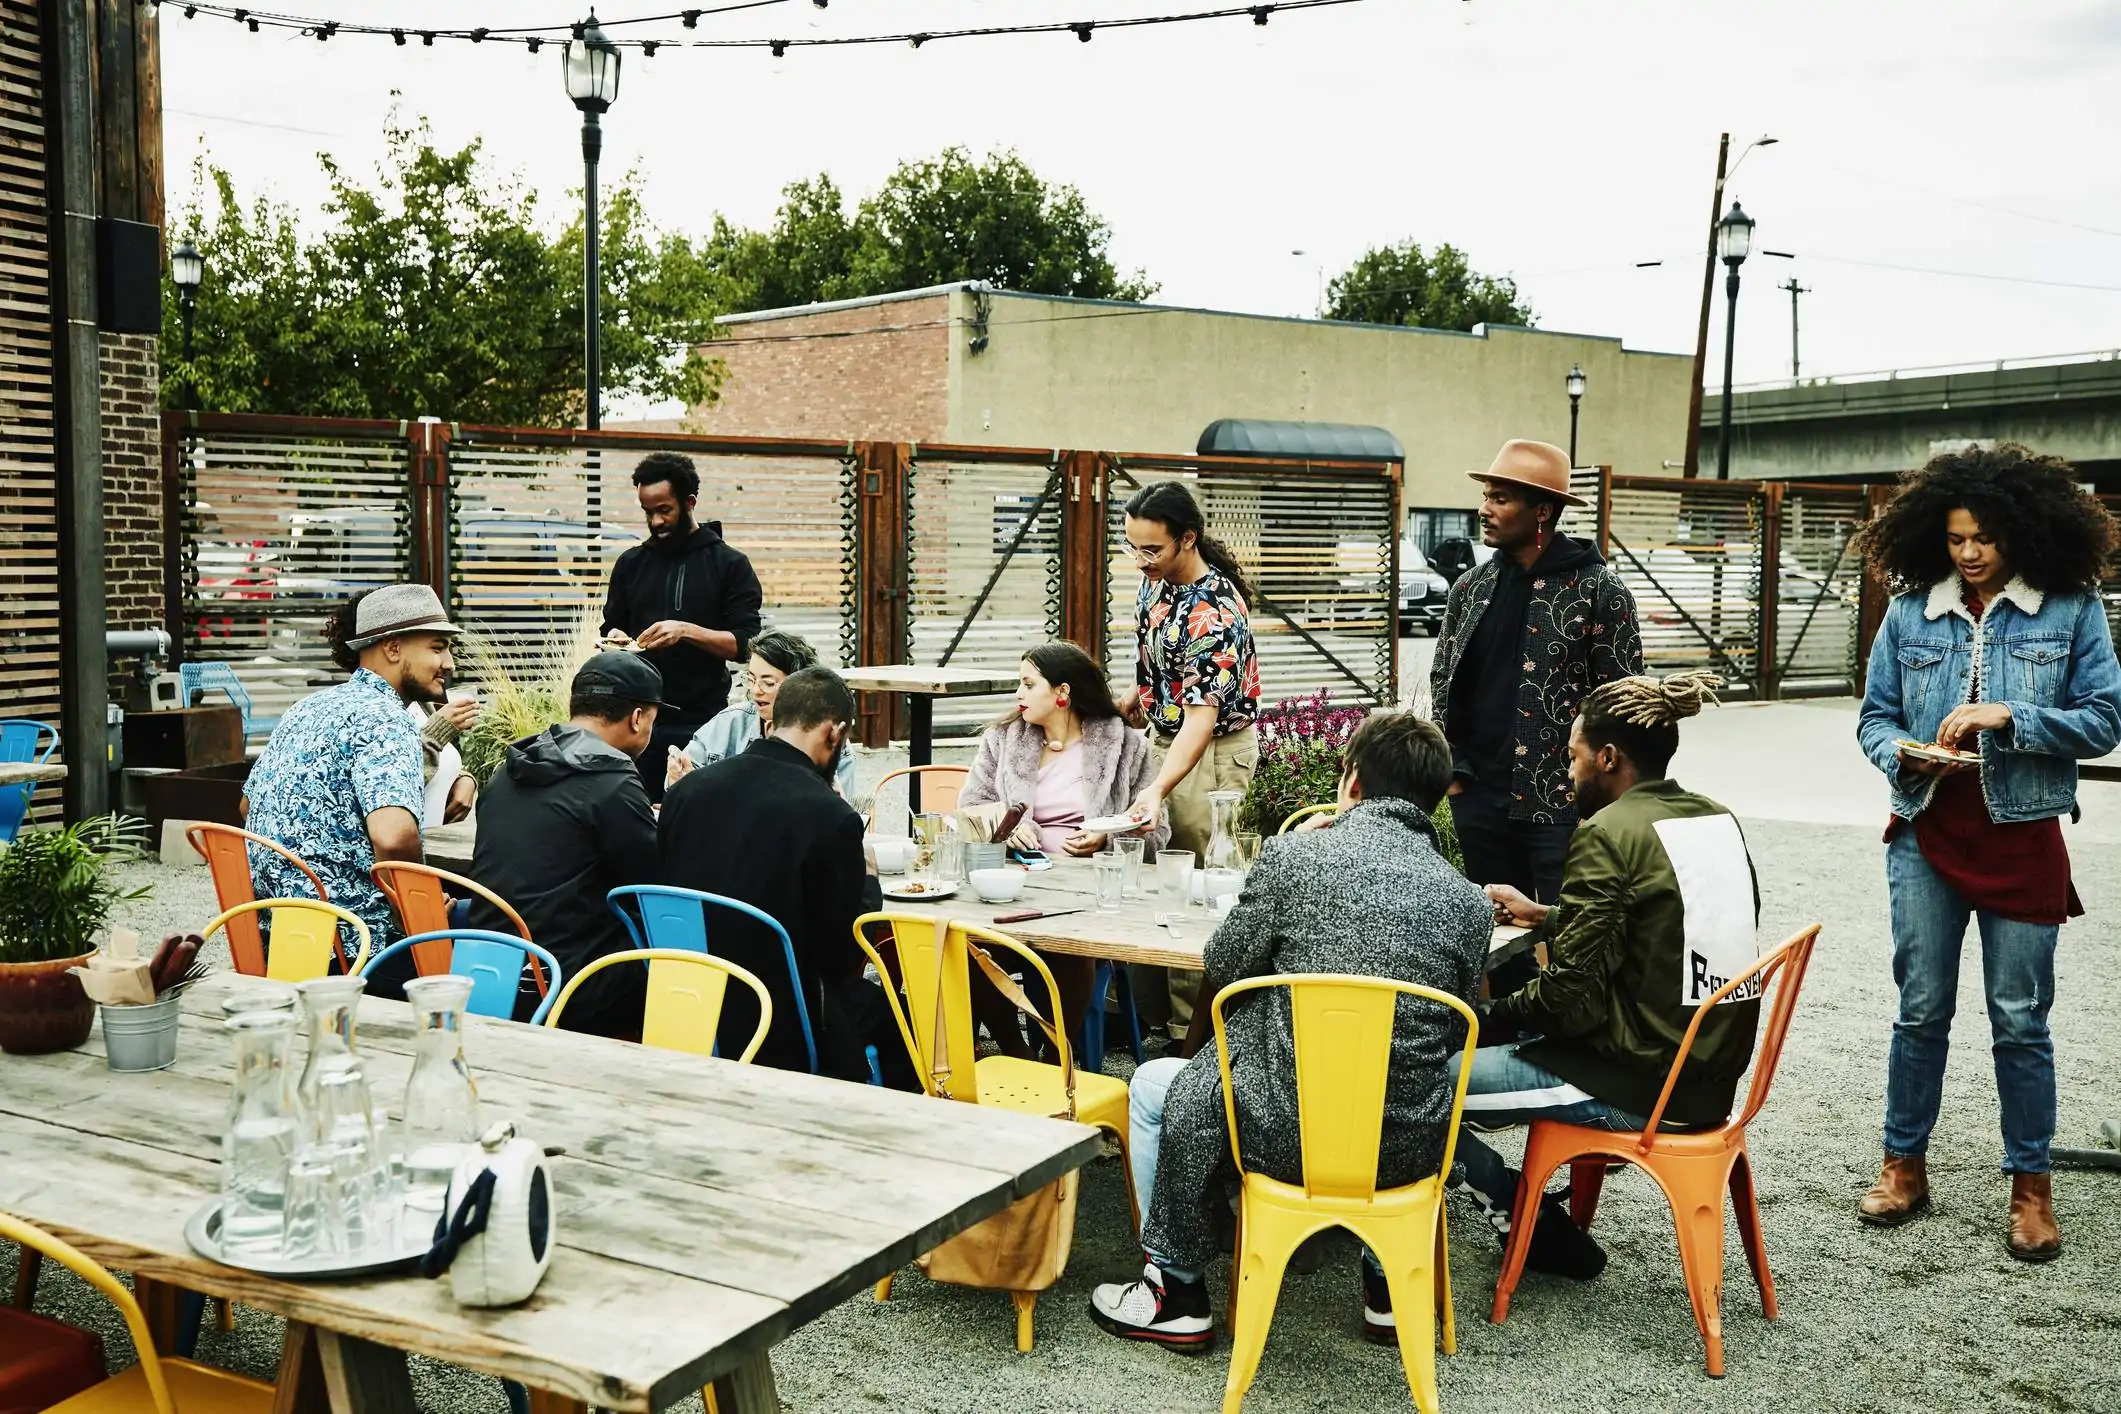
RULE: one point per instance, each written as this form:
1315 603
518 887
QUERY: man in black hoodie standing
566 820
1525 637
687 600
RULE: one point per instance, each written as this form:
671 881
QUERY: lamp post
1734 241
1575 383
590 63
187 270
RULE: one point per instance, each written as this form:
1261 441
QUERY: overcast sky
1559 141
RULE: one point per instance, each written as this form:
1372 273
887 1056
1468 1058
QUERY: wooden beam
117 112
148 197
363 1377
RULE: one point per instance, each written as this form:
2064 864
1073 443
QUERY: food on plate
1935 750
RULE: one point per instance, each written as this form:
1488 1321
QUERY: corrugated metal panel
531 555
1691 556
1820 589
974 529
29 514
1318 549
279 531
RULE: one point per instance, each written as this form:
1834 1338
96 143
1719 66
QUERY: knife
1029 914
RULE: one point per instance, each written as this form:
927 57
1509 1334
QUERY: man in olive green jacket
1658 910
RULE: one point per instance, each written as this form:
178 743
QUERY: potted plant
1301 744
56 893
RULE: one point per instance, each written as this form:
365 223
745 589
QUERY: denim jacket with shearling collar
2049 658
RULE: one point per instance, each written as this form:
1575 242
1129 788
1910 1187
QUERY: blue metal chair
200 678
20 740
495 963
1101 982
677 918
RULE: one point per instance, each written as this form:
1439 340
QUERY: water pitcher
441 1100
264 1122
1223 867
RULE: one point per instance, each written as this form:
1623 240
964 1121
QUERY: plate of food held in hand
920 891
1931 751
1116 824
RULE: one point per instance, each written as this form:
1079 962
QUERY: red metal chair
420 893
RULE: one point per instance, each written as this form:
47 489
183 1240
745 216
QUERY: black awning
1316 441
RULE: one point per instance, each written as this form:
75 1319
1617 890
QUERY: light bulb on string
780 53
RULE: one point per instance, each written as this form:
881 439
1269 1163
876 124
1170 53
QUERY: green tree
432 291
932 222
1401 284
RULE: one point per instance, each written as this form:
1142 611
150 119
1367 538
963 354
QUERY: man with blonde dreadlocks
1658 909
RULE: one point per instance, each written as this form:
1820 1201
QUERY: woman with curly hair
1996 647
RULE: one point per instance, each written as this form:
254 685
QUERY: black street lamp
1734 241
1575 383
591 65
187 270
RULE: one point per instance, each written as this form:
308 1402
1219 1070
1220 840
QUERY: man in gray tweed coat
1370 895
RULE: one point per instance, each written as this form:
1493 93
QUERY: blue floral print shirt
337 757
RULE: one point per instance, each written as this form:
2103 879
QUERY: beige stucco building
960 363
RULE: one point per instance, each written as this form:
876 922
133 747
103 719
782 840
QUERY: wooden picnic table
703 1209
1134 934
15 773
922 686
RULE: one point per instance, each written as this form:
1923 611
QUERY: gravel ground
1935 1316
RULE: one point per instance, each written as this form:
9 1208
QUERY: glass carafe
441 1099
339 1115
263 1129
1223 868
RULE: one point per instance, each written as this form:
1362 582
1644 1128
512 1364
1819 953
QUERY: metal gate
1690 552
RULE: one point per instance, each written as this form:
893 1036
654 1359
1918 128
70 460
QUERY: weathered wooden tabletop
15 773
928 681
704 1209
1134 934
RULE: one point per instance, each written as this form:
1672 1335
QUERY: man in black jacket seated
563 822
766 827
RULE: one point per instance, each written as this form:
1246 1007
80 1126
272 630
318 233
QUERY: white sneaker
1174 1314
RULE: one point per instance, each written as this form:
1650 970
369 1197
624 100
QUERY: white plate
930 891
1932 752
1114 824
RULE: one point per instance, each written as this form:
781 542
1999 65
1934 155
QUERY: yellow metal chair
305 937
168 1386
934 959
685 995
1296 817
1343 1032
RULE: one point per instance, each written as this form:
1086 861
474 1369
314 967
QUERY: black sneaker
1172 1314
1559 1247
1378 1325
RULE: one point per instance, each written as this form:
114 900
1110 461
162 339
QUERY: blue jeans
1508 1089
2018 975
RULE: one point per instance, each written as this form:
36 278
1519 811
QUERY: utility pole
1701 336
1795 290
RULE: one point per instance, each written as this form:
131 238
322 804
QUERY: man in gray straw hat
339 783
1525 637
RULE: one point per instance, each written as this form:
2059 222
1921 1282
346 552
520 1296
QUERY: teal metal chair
22 741
495 963
677 918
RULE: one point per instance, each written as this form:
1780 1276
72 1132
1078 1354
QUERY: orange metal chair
165 1385
226 850
420 895
940 786
1342 1026
1693 1169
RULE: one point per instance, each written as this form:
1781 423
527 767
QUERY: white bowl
893 856
998 885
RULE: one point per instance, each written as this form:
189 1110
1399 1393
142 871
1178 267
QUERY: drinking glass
1174 872
1221 889
950 860
1247 851
1130 851
1109 874
930 829
314 1218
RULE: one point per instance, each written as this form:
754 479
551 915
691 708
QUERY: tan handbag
1025 1246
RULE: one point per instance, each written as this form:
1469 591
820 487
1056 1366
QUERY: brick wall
132 482
879 371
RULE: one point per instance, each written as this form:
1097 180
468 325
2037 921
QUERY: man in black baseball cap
565 821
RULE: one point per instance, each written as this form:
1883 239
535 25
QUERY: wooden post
1605 510
173 534
880 578
428 467
1870 612
1084 557
70 177
1701 336
1398 532
1768 669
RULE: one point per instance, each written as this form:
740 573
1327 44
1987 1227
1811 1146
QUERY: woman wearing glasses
732 730
1197 680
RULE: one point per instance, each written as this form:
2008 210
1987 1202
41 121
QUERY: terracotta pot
42 1006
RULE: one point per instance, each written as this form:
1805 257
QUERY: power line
533 37
1978 205
1962 274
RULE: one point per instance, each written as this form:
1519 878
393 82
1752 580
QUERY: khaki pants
1165 996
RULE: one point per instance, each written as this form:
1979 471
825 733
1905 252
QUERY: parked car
1422 592
1455 555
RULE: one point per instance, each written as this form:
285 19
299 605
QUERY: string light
531 37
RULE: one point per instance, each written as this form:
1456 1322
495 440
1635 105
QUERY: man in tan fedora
1526 635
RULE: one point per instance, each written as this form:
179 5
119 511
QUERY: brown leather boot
1901 1194
2034 1235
